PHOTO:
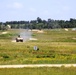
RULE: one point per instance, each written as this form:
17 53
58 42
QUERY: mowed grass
39 71
56 46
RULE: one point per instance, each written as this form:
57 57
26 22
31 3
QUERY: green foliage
40 24
33 35
5 56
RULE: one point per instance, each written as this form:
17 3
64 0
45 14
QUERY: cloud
62 10
46 12
32 10
15 5
66 8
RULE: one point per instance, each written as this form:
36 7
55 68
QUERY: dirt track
37 65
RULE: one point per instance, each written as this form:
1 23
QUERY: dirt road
37 65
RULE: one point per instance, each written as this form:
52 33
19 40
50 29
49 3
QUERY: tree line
40 24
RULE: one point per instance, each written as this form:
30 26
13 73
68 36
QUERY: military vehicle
19 39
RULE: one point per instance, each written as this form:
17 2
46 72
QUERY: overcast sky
17 10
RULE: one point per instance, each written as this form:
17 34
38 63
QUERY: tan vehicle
19 39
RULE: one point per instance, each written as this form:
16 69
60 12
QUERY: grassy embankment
39 71
55 47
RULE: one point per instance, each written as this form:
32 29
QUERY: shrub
5 56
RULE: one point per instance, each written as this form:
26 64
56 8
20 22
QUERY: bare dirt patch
40 31
4 32
33 39
74 38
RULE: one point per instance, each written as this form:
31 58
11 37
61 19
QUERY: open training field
55 46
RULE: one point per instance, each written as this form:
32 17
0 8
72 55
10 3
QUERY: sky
26 10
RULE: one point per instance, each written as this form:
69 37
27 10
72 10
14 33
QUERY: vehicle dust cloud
25 34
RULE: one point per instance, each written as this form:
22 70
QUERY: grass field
56 46
39 71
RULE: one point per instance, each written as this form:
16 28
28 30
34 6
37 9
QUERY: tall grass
54 47
39 71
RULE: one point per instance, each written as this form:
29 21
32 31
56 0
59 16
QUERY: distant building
8 26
